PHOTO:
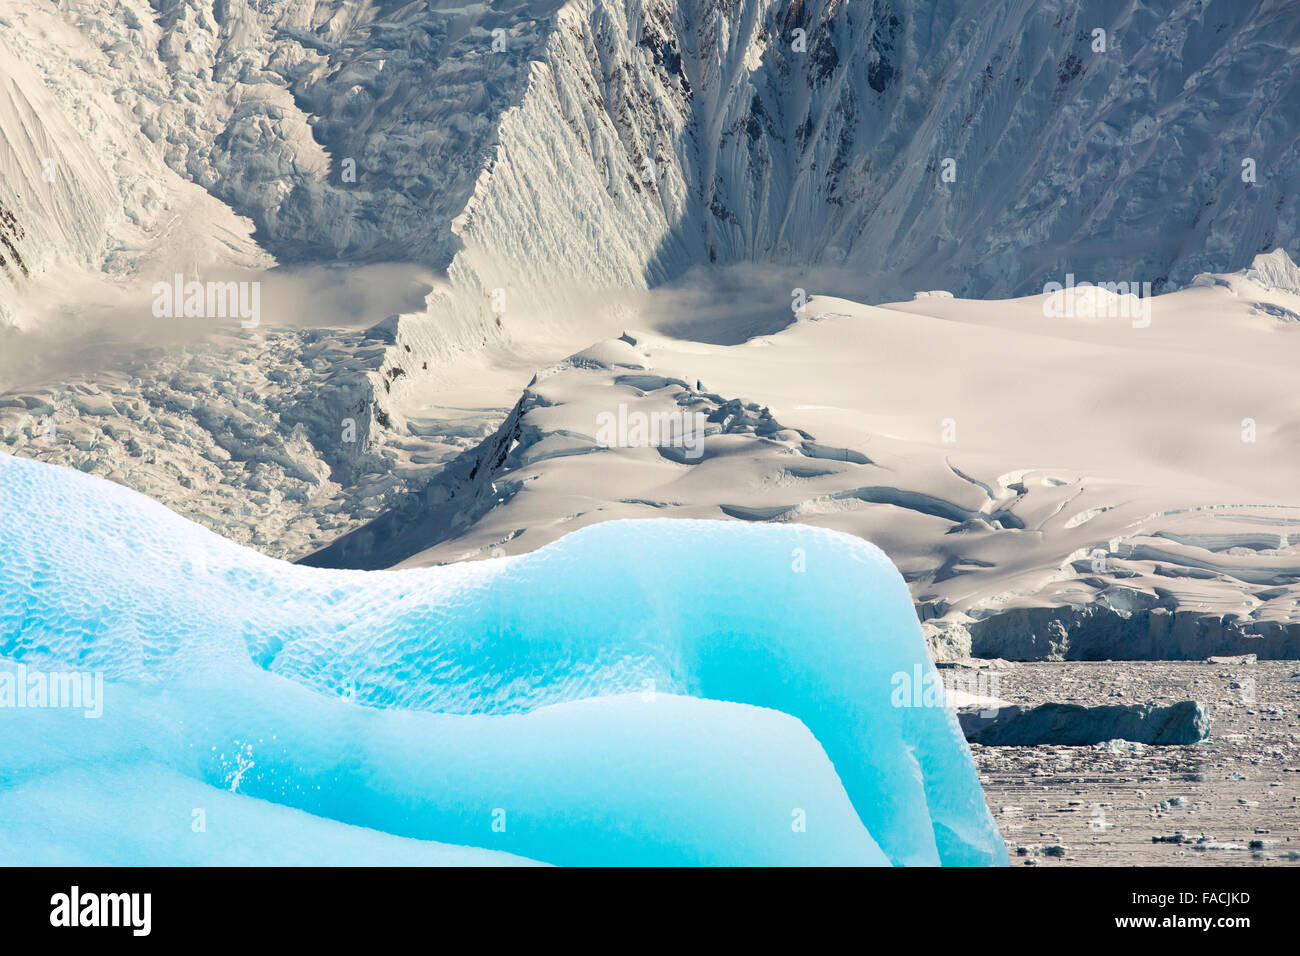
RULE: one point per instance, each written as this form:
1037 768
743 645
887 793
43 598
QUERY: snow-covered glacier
638 692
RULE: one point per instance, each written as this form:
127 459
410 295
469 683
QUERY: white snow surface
995 452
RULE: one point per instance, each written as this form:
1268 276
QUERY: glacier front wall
638 692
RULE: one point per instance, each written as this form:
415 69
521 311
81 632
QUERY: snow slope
87 194
625 674
68 214
546 148
1065 158
1048 485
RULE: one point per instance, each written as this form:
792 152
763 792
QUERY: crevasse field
637 692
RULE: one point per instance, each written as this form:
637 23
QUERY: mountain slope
611 143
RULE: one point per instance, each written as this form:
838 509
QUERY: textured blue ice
651 692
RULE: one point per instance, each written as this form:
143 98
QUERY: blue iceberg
638 692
